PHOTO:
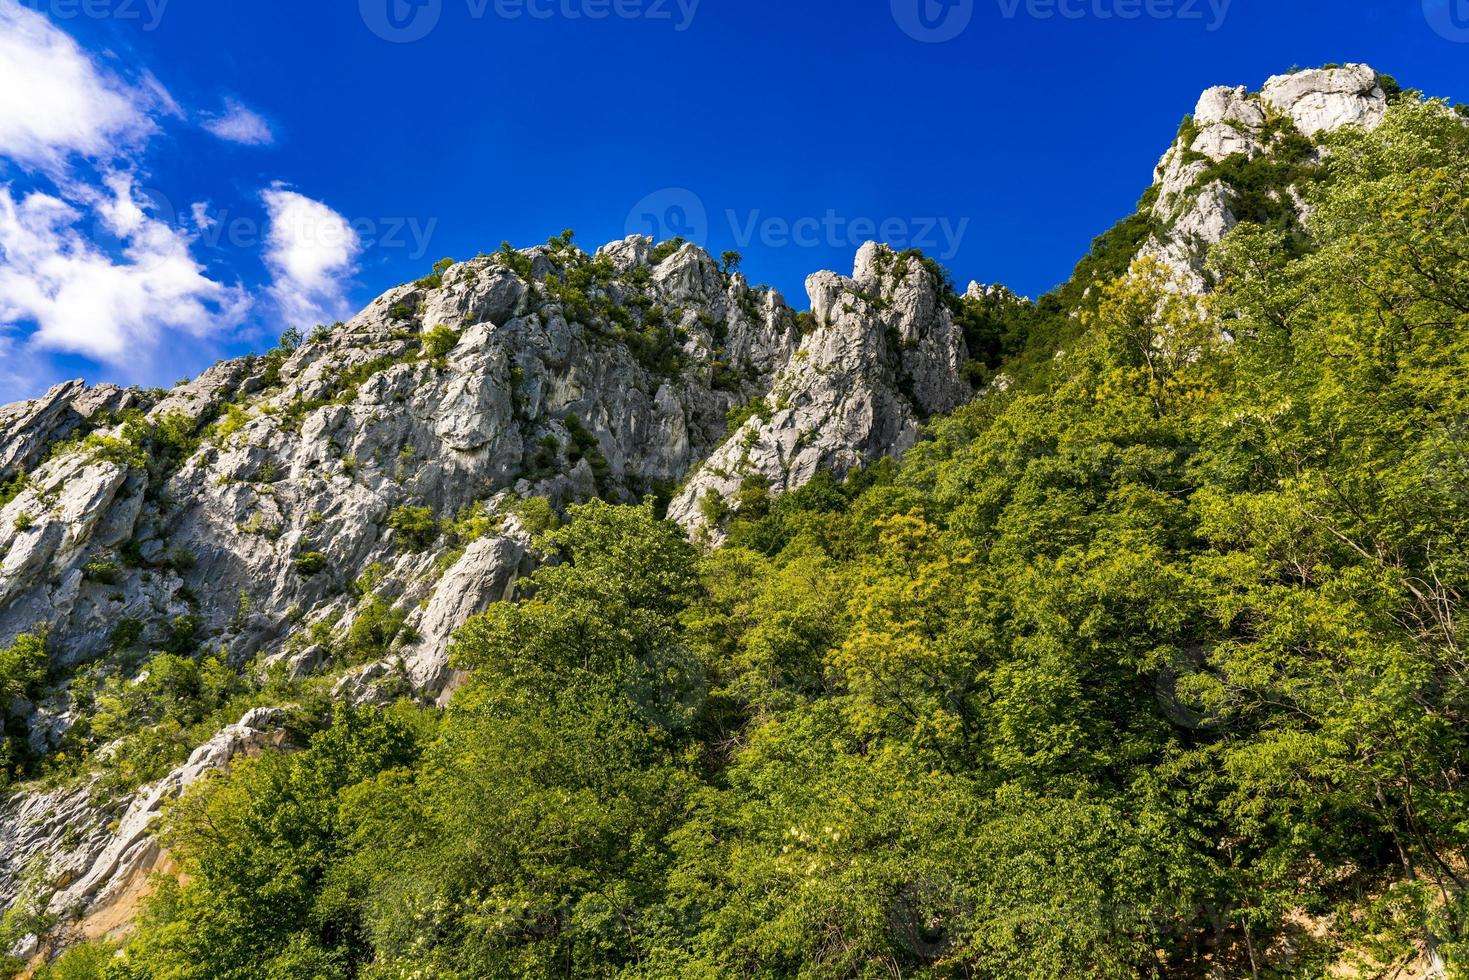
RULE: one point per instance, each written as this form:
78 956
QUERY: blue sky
182 179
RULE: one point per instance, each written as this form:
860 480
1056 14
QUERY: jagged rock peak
1194 209
880 352
993 292
1328 99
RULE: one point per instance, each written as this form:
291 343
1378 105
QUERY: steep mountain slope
220 565
883 353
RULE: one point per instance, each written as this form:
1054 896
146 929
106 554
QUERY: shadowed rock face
1194 211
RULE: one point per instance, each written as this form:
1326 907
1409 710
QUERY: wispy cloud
240 124
56 101
312 253
90 265
86 266
86 301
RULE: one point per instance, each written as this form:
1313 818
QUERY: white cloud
240 124
92 266
203 220
86 301
56 101
311 252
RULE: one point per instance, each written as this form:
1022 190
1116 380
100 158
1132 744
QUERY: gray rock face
1196 212
31 428
132 847
883 354
1329 99
95 862
486 574
318 449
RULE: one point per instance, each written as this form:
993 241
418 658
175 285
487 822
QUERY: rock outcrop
1329 99
1195 206
314 452
92 854
882 353
31 428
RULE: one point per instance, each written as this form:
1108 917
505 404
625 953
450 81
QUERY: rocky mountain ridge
321 519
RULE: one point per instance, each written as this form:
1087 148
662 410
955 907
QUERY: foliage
23 667
438 342
435 279
373 630
1260 186
664 250
516 262
89 961
714 508
11 488
473 523
740 414
264 899
156 446
416 526
585 446
1126 670
309 563
536 514
235 419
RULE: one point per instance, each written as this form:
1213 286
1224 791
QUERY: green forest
1145 663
